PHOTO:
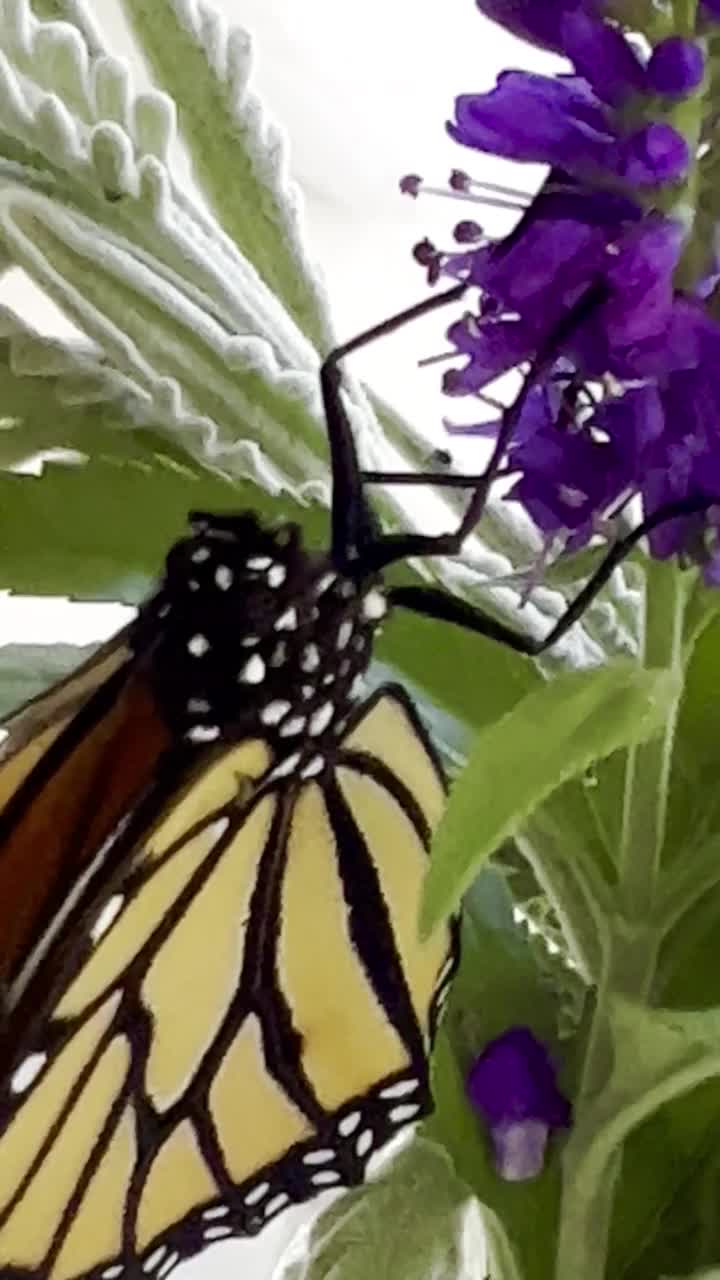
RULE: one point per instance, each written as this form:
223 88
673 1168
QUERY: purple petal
519 1149
514 1080
538 21
650 157
534 118
641 276
603 56
493 349
676 67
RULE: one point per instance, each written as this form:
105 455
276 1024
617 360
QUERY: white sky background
363 88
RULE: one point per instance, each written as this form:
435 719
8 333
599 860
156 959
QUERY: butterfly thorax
253 634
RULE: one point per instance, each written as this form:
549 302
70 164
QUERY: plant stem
631 955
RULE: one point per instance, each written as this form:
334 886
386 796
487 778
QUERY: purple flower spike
512 1084
676 67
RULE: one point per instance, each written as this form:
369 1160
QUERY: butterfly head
254 634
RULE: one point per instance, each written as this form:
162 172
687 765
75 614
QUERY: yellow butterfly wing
240 1020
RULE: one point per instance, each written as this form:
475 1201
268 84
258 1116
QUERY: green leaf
28 669
688 970
694 813
472 678
659 1056
498 985
406 1225
712 1274
669 1221
552 735
101 530
238 154
223 390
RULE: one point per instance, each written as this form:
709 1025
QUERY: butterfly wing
195 1069
73 763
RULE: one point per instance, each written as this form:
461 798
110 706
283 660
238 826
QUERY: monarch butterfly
211 855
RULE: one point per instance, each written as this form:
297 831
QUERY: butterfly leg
353 525
434 603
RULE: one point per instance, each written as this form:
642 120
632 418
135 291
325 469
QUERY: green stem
631 952
648 766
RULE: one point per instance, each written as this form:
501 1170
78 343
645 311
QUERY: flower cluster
604 294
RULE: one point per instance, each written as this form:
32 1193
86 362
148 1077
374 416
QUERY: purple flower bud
650 157
512 1085
676 67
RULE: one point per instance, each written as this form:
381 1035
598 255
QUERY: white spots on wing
307 691
200 556
321 718
217 1233
168 1265
310 660
254 670
286 766
405 1112
259 562
203 733
217 1211
198 645
287 620
276 575
279 654
345 667
274 711
257 1193
248 641
359 642
325 1177
28 1072
154 1259
223 577
107 916
313 767
364 1143
349 1123
374 606
345 631
357 688
347 589
111 1273
320 1156
193 584
277 1202
329 678
325 582
197 706
294 725
399 1090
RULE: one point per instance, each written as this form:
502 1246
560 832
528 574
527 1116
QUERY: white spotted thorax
256 635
